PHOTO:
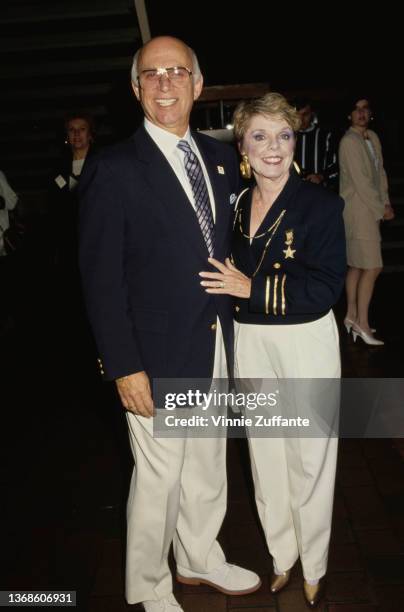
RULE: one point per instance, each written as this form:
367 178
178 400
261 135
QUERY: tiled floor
65 465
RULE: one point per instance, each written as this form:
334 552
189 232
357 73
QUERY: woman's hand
388 212
228 281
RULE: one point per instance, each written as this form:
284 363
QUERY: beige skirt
364 254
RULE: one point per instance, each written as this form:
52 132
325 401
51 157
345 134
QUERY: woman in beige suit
363 186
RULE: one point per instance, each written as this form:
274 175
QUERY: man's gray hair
196 71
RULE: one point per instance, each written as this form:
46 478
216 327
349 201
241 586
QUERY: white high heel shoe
367 338
348 323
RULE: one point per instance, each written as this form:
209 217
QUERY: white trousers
178 494
294 478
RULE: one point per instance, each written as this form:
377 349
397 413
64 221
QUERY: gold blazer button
213 326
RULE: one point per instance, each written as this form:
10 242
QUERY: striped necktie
201 195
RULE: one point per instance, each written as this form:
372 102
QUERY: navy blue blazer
297 261
141 249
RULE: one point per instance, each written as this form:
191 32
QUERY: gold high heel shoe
313 594
367 338
279 581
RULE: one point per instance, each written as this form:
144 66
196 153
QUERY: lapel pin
220 169
289 252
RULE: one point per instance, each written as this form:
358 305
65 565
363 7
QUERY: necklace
271 231
272 228
260 215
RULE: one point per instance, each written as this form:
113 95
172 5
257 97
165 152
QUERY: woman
363 185
63 195
288 270
64 212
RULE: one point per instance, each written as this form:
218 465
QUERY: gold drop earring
245 167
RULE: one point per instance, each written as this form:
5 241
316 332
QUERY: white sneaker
228 579
167 604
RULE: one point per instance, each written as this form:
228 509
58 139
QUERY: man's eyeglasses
177 75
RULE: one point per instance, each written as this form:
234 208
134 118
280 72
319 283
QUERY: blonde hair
272 105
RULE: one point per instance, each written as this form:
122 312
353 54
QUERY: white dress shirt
167 143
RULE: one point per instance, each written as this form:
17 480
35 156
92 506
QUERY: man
154 209
315 151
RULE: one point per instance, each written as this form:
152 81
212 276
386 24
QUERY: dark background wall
325 49
56 57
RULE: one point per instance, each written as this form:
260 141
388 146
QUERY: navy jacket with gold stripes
297 258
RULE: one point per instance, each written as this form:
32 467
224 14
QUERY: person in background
315 152
63 204
288 271
8 202
153 209
363 186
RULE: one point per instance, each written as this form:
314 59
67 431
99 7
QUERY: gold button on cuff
277 266
237 308
213 326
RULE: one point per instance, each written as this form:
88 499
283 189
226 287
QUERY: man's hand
135 393
315 178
